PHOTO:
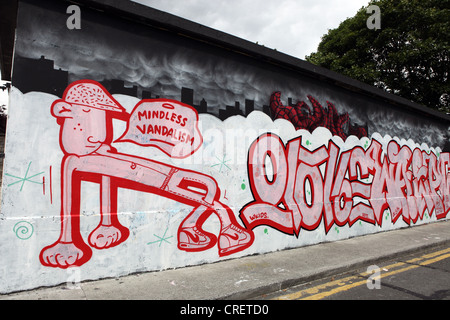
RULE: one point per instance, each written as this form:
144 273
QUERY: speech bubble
169 125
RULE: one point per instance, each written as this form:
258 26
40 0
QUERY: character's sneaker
195 239
233 238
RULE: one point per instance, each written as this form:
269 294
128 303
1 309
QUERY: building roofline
160 19
136 12
8 16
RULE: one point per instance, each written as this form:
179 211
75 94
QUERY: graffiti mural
85 117
131 148
342 187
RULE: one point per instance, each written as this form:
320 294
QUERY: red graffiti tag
302 117
305 186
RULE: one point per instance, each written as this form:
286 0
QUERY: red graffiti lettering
295 188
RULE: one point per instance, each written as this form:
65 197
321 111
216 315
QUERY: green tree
409 56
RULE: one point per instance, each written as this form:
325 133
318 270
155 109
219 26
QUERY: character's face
83 129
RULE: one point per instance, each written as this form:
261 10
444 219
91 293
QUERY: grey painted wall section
162 63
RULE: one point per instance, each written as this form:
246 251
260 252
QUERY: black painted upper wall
140 51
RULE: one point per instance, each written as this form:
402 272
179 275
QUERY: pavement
253 276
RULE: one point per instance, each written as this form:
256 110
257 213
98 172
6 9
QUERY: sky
293 27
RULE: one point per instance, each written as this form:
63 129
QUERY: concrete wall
133 148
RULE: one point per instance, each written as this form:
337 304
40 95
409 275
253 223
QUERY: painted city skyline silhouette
46 78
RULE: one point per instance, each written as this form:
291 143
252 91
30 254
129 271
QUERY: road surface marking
327 289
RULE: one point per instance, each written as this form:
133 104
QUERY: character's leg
191 236
232 237
192 186
69 250
109 232
186 184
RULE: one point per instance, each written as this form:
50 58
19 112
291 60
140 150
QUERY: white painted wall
32 148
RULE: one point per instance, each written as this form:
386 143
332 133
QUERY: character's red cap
89 93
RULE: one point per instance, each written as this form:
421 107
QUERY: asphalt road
423 276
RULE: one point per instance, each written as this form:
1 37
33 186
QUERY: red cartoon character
85 115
